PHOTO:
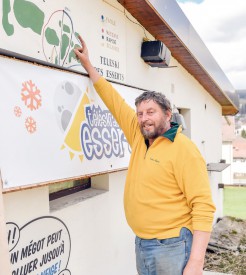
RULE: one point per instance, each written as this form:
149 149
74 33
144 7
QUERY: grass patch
235 202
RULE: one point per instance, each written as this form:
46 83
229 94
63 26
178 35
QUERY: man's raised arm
83 55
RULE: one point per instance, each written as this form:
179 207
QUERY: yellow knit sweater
167 185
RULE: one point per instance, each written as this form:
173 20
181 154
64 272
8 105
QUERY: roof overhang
165 20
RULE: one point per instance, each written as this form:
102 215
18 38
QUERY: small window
62 189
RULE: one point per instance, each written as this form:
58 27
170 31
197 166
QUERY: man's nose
144 117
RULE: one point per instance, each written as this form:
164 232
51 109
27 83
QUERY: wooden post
5 268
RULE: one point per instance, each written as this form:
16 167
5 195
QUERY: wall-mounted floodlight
155 53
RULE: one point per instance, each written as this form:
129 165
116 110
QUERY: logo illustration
89 131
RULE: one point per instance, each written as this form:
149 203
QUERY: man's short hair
158 98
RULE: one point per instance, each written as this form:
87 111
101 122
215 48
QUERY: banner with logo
54 126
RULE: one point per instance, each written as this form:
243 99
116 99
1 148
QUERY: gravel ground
226 262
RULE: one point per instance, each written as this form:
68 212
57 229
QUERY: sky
222 26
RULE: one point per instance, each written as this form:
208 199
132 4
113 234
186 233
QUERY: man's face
153 122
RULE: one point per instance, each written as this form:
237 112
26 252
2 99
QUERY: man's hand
83 55
193 268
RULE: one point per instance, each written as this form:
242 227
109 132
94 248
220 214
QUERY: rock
228 234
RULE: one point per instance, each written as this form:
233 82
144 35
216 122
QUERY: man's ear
168 115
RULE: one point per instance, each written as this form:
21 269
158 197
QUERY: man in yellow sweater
167 195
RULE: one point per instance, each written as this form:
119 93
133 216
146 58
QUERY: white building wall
101 241
227 155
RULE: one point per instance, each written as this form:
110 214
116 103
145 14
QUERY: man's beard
157 131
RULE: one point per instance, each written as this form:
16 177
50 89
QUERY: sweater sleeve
122 112
194 183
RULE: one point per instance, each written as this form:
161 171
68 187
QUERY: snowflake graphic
31 125
31 96
17 111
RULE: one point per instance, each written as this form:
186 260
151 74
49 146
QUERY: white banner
54 126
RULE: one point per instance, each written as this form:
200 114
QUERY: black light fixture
155 53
